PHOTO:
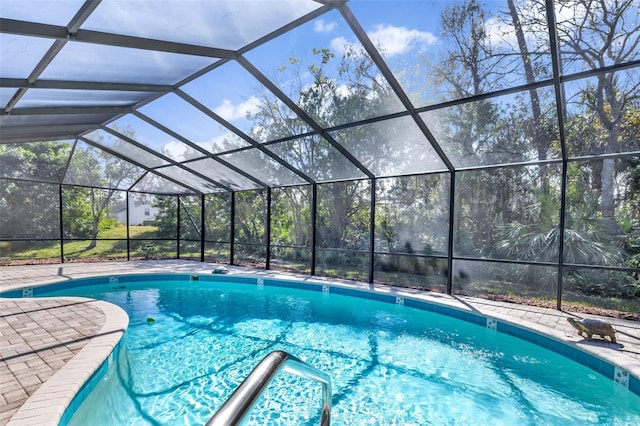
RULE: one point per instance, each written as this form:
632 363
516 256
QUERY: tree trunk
94 217
607 197
337 215
611 121
540 140
296 200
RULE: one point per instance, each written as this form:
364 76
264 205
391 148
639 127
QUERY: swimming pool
390 362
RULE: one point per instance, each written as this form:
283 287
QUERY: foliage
343 215
109 223
513 213
100 169
251 214
37 202
613 284
190 209
412 214
218 217
343 207
36 161
167 218
84 208
77 218
291 218
517 241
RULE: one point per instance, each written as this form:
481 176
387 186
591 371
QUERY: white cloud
223 142
226 110
391 40
320 26
175 150
231 112
340 44
218 143
399 40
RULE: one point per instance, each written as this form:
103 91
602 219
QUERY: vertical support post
556 67
561 225
452 198
232 231
202 227
372 230
61 224
314 217
267 231
60 209
126 203
178 227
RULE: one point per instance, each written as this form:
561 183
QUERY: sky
408 33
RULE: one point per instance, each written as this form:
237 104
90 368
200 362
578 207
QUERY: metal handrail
245 396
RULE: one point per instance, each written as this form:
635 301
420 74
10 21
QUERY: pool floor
39 350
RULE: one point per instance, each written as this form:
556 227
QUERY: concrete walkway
50 347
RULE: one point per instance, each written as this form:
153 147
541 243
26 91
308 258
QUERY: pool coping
500 318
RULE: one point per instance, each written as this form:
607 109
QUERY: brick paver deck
39 338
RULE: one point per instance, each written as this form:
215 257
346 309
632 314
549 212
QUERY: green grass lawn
115 245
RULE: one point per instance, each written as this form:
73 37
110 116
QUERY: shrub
610 284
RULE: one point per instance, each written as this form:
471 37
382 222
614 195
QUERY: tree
76 212
251 214
486 131
411 214
597 33
99 169
167 217
541 139
342 89
291 216
343 215
190 209
104 174
489 53
218 217
36 162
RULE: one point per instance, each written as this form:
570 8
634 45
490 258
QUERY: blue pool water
390 365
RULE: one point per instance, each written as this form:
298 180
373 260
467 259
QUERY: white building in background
140 211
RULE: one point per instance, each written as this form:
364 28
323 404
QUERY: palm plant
581 246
